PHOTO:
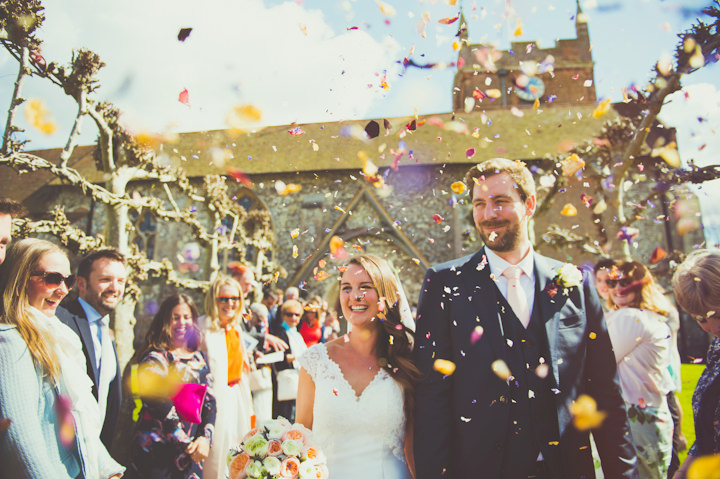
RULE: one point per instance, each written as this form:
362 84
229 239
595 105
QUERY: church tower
524 75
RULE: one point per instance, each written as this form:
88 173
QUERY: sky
310 61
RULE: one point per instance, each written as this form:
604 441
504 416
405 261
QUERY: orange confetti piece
238 175
241 116
569 210
184 97
602 108
458 187
585 413
657 255
572 165
443 366
322 275
518 28
448 21
37 114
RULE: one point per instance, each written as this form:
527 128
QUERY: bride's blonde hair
22 259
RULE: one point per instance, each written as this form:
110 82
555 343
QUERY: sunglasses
54 280
228 299
288 313
622 282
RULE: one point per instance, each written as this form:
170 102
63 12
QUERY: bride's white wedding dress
362 436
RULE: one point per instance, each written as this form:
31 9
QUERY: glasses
54 280
228 299
622 282
702 319
289 313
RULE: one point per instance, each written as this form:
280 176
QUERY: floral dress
161 437
706 405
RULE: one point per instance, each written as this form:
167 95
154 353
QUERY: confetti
285 189
297 131
569 210
470 152
39 117
585 413
458 187
386 9
322 275
372 129
438 219
602 108
542 370
239 176
705 467
518 28
183 34
443 366
572 165
501 369
657 255
294 233
476 334
240 116
184 97
294 251
448 21
668 153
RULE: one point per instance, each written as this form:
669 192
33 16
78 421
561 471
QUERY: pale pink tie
516 295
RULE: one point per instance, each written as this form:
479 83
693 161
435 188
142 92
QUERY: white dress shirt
527 280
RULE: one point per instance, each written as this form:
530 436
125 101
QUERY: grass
690 374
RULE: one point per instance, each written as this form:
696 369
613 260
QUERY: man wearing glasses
101 283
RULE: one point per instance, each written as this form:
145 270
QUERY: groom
527 336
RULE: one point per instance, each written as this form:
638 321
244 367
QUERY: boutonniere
568 276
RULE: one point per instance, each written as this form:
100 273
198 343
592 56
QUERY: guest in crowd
291 292
331 326
696 285
55 429
368 370
310 327
262 397
270 301
167 445
641 341
291 311
226 350
101 284
603 270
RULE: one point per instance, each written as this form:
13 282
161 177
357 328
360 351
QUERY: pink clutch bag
188 401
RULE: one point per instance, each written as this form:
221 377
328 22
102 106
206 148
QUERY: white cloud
285 60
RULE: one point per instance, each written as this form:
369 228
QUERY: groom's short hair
517 170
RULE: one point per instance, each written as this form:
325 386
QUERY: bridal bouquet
277 450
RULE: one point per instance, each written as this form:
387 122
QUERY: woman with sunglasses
696 285
641 340
167 445
291 311
226 350
56 423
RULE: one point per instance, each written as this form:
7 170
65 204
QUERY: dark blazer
462 420
72 314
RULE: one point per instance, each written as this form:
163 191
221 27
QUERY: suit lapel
476 275
83 327
548 307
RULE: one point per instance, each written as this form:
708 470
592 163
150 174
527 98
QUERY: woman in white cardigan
228 362
641 340
55 428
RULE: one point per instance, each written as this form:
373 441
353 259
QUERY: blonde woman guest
56 423
229 365
357 392
641 341
291 311
696 285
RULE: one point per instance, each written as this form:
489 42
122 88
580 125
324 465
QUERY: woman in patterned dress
165 445
697 289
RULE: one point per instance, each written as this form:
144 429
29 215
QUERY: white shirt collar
91 313
498 265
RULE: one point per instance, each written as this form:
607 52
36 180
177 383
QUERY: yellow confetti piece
322 275
295 251
443 366
294 233
339 209
697 60
602 108
493 93
501 369
315 147
569 210
585 413
336 243
518 28
668 153
705 467
242 116
572 164
536 104
458 187
592 335
386 9
38 116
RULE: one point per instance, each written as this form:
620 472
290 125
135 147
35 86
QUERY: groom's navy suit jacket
72 314
462 421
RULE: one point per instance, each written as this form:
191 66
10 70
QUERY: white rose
254 469
274 429
273 465
292 447
257 446
307 470
569 276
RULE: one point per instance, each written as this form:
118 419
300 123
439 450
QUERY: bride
356 392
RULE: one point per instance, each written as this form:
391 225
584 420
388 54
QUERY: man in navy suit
527 337
101 284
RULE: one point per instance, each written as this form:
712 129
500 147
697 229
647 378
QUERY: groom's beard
508 240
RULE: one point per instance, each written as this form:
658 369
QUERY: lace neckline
358 397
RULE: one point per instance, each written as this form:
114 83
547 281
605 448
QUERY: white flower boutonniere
569 276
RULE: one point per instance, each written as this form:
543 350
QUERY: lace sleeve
310 359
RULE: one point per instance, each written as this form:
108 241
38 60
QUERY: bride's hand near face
305 399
